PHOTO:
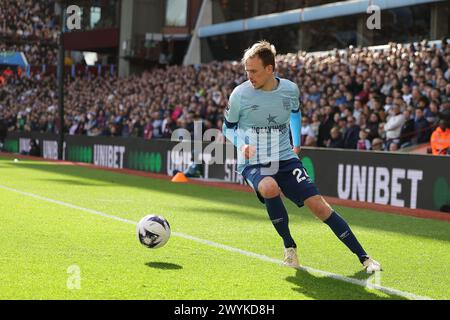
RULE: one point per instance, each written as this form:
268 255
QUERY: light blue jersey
261 119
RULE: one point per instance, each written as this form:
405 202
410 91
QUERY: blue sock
342 230
278 215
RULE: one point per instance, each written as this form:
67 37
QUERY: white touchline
358 282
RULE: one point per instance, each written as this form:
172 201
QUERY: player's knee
268 188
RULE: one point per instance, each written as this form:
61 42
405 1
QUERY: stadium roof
326 11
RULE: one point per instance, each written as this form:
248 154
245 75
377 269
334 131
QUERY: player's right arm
230 125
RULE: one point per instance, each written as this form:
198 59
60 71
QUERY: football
153 231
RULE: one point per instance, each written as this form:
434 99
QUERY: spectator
351 136
431 113
357 110
157 125
363 142
307 133
342 124
408 130
393 146
147 127
91 125
407 96
314 94
377 144
325 126
372 125
440 139
315 125
394 124
167 127
415 97
422 127
336 140
127 127
423 102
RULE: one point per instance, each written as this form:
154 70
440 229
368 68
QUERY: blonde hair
263 50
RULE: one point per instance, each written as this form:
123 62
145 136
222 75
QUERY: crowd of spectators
355 98
36 54
28 19
364 99
30 27
150 105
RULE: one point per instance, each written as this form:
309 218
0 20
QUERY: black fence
398 179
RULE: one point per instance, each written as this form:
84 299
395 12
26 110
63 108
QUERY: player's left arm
296 120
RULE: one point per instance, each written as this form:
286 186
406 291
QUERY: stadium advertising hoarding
156 156
397 179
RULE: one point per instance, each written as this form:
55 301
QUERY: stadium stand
30 27
376 89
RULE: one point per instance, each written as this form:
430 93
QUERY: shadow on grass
324 288
436 230
164 266
362 275
75 182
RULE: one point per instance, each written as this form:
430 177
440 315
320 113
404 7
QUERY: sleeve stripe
230 125
296 111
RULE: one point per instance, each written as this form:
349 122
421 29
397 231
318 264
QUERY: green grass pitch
43 242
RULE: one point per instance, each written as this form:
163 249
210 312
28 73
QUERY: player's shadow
164 265
325 288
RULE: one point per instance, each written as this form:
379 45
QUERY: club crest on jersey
271 119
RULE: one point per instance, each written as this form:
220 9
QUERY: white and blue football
153 231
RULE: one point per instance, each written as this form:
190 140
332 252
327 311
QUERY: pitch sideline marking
358 282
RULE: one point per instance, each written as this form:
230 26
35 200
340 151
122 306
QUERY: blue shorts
291 177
